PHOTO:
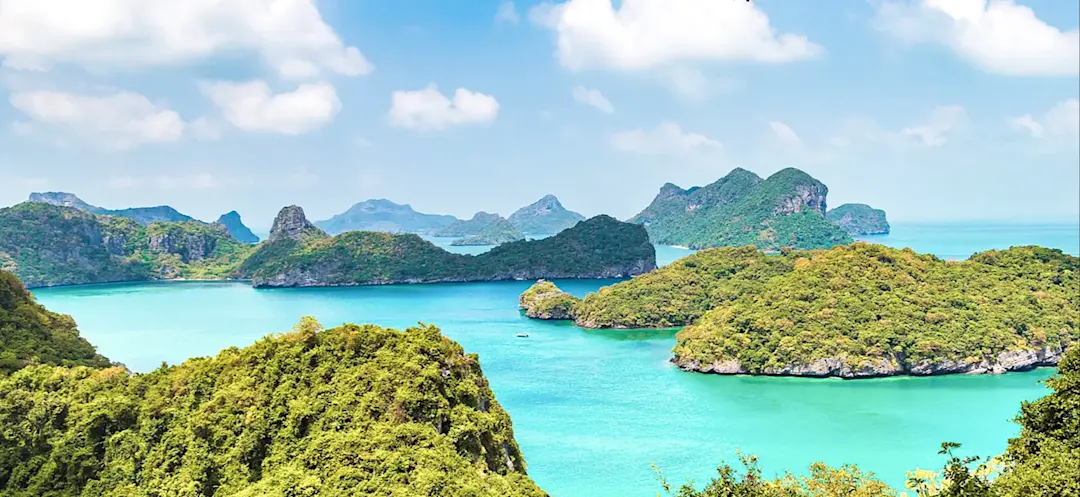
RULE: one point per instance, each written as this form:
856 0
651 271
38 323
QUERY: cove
592 410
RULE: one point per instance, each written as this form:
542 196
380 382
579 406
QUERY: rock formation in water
859 219
785 210
545 216
384 216
544 300
295 255
231 221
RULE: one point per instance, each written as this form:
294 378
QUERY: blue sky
930 109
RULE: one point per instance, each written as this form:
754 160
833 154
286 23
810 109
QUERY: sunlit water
593 410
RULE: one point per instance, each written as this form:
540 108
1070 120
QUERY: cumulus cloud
784 133
507 13
117 120
593 98
1062 120
668 138
288 35
998 36
429 109
252 106
644 34
943 121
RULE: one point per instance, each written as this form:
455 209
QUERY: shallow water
593 410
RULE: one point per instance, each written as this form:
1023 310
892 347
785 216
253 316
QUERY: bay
593 410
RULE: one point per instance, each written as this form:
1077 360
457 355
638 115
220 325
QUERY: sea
602 412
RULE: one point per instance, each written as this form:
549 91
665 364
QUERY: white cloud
204 129
942 122
117 120
507 13
428 109
785 133
643 34
593 98
1062 120
666 139
288 35
997 36
252 106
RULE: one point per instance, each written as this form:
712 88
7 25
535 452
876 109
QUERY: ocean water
594 410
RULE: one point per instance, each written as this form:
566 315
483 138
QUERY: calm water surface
593 410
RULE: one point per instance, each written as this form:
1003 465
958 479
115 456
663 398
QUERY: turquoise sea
593 410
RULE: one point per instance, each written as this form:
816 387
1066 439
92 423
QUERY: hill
231 221
859 219
353 410
785 210
468 227
853 311
31 334
384 216
298 255
141 215
497 232
46 245
545 216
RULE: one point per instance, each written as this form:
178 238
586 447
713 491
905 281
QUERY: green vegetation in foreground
866 310
601 247
497 232
859 219
785 210
544 300
31 334
48 245
1044 461
354 410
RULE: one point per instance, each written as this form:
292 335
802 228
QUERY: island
543 217
467 227
497 232
853 311
231 221
544 300
786 209
385 216
859 219
311 412
141 215
48 245
298 253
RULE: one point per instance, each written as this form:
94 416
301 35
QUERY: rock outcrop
544 300
292 224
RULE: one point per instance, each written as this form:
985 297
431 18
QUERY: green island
544 300
366 410
497 232
853 311
859 219
299 254
786 209
48 245
545 216
467 227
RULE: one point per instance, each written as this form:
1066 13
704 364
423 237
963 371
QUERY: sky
929 109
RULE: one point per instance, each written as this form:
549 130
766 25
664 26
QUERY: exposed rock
291 224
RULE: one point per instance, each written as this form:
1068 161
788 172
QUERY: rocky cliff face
190 245
64 199
1006 361
807 198
291 224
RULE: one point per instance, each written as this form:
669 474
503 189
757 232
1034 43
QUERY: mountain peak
232 222
291 223
63 199
546 215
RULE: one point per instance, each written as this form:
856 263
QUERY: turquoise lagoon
593 410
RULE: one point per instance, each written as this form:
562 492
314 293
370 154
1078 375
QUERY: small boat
523 335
